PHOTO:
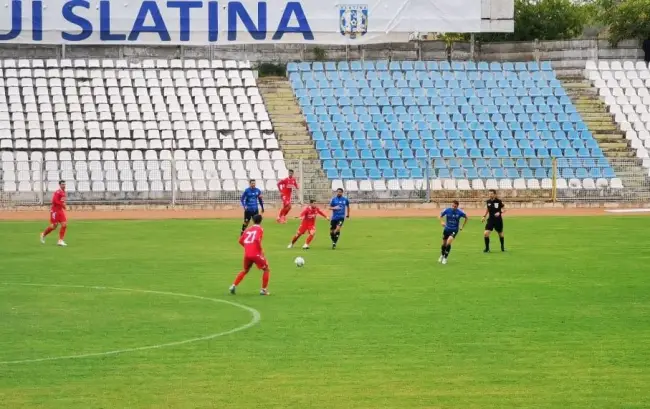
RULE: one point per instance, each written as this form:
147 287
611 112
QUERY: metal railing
221 182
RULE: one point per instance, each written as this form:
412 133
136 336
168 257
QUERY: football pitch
560 320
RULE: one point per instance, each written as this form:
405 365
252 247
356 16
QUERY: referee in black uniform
494 213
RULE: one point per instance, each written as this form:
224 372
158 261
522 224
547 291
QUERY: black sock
503 242
243 227
333 237
448 250
336 237
487 243
443 248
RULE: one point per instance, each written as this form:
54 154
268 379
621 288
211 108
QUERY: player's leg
443 247
486 236
281 213
337 233
310 238
286 209
247 219
502 239
263 265
62 230
50 228
333 226
450 240
63 220
241 275
299 233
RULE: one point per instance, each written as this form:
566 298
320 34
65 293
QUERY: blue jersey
342 202
452 218
250 197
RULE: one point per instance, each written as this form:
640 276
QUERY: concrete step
292 133
611 137
302 143
284 122
601 123
291 129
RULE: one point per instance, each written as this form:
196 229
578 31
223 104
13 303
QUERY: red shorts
304 229
259 261
286 199
57 216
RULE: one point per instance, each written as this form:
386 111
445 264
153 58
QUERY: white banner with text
205 22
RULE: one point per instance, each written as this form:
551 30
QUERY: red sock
49 230
62 232
286 211
295 239
309 239
265 279
239 277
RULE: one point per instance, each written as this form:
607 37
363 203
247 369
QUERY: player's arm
347 207
487 211
441 218
502 207
303 214
241 240
466 219
243 198
321 213
281 185
333 206
259 198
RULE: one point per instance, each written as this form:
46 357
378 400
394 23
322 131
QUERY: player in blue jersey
451 227
249 201
340 207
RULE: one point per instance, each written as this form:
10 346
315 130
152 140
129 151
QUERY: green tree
544 20
626 19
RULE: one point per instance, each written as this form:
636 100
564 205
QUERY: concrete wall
564 55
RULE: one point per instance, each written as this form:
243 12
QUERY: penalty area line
255 319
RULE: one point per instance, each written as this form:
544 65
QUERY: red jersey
309 214
286 185
251 240
58 201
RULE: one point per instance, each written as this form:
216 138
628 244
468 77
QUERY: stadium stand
376 124
624 87
114 129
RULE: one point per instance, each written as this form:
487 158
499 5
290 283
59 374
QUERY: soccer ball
299 261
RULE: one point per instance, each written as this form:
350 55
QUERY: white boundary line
627 210
256 317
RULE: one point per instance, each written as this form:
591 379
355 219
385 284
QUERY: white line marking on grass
628 210
256 317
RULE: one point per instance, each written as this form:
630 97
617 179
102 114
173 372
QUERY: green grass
561 320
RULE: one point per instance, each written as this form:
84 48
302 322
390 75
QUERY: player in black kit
494 213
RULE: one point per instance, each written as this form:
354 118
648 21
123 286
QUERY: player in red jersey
57 215
308 224
286 186
251 241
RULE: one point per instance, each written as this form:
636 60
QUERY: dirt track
139 214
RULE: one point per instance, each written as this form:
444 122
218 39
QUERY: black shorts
449 233
248 215
494 224
336 223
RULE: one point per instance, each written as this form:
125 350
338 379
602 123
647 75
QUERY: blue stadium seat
459 111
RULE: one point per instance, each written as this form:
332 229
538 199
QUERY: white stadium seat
623 87
139 110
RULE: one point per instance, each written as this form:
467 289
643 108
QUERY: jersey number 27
250 237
